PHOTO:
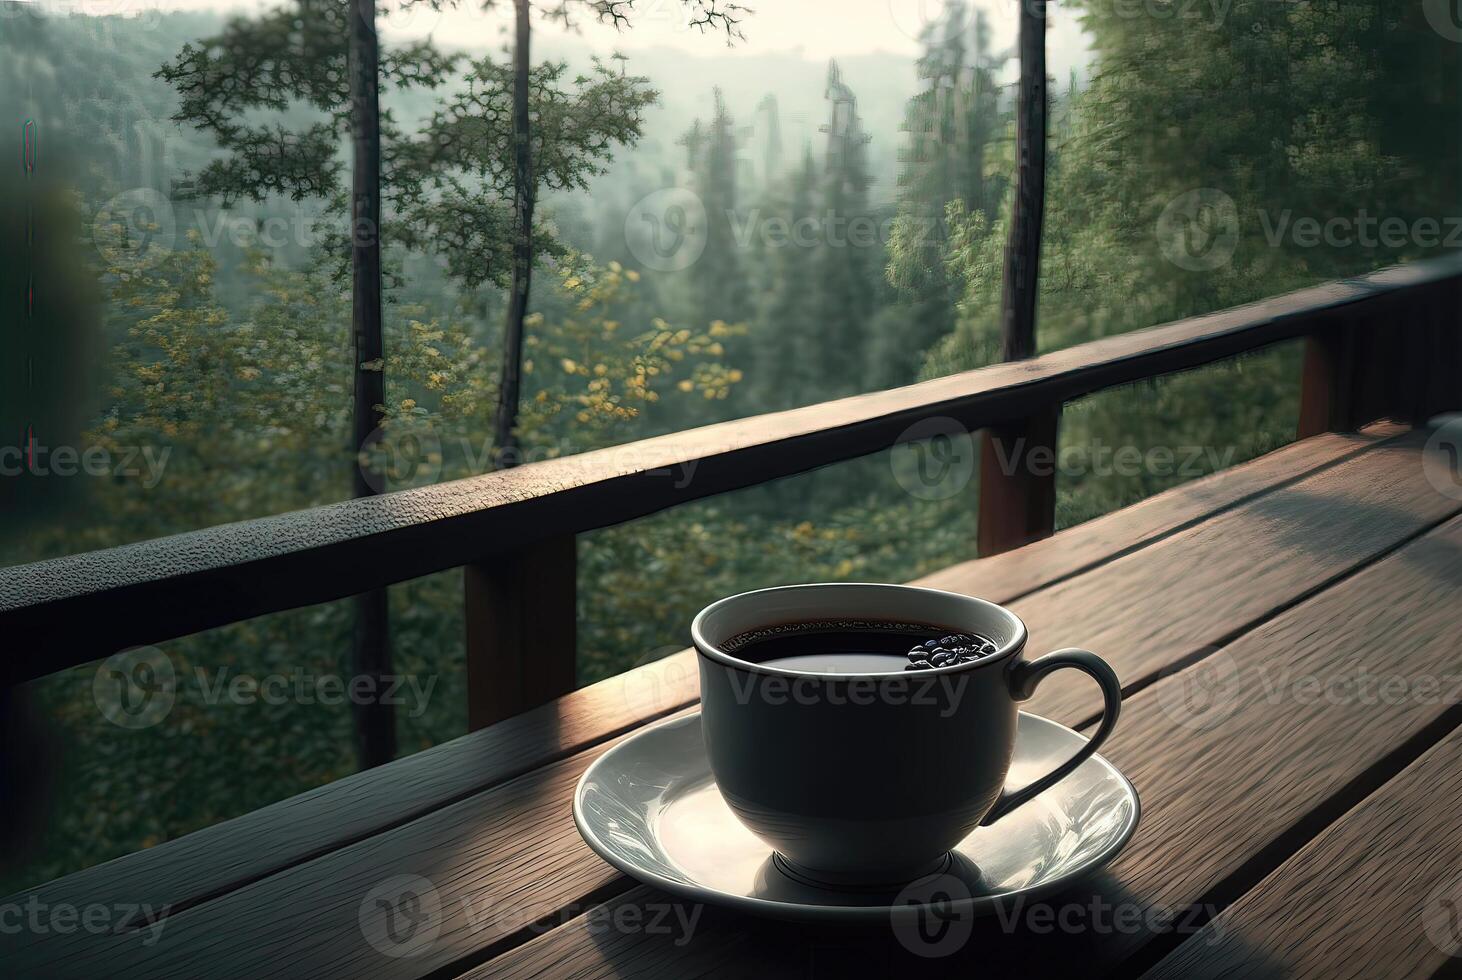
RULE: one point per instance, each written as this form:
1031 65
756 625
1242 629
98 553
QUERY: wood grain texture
513 847
1171 602
522 627
1375 896
494 865
79 608
230 855
1324 381
1229 791
249 847
1017 493
1077 549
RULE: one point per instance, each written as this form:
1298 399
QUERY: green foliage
236 363
950 126
452 185
292 57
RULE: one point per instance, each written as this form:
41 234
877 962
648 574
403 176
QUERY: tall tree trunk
505 435
375 731
1023 247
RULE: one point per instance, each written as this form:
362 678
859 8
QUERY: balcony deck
1289 835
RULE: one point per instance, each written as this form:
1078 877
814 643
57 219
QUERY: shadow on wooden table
1099 930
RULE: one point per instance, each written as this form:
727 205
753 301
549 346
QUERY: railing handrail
67 611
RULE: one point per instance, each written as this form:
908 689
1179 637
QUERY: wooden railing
1382 345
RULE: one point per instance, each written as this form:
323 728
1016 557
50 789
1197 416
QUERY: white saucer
650 807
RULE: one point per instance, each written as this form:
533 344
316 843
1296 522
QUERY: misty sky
818 29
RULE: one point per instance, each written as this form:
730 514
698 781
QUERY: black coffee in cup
857 646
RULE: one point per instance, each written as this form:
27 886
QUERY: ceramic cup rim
1010 647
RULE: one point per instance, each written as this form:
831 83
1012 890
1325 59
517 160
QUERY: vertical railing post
1439 353
1327 381
375 722
374 718
1398 358
1018 459
1018 482
521 629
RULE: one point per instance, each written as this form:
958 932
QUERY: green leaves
290 62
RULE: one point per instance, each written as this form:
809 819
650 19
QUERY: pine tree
787 339
846 253
716 288
950 125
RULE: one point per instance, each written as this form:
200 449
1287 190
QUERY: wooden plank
550 865
1394 358
1013 574
1168 603
79 608
230 855
1325 387
1442 390
495 863
521 630
1375 896
374 720
1227 794
1018 483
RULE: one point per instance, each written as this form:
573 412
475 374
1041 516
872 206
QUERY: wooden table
1289 636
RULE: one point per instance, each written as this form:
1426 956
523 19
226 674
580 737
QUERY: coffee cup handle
1023 677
